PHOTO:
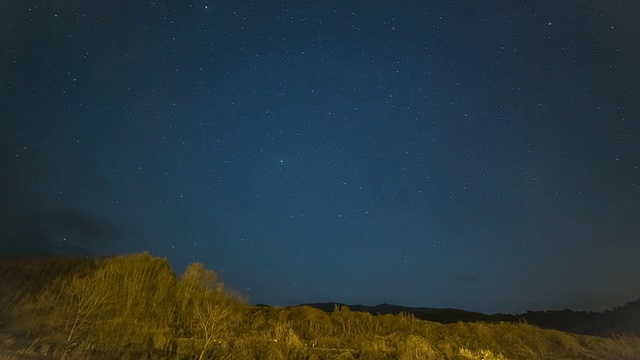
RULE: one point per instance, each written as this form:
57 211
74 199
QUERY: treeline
136 307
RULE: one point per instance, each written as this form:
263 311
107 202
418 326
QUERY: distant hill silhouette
623 320
441 315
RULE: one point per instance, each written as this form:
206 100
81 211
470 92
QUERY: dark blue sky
483 155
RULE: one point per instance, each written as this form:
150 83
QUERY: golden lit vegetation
136 307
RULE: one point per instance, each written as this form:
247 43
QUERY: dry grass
136 307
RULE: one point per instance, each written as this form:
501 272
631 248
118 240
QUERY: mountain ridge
621 320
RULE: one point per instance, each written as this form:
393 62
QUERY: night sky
477 155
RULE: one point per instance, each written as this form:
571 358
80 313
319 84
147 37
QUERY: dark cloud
28 226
